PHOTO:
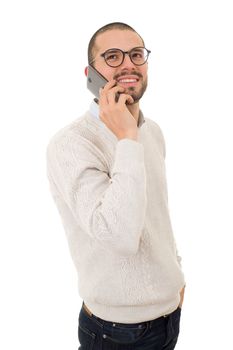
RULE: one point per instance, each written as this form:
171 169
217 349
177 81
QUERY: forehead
122 39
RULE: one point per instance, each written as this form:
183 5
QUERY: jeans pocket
125 335
86 338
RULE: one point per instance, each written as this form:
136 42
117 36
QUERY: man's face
124 40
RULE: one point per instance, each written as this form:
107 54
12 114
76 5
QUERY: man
107 176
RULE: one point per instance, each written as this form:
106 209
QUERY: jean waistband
139 324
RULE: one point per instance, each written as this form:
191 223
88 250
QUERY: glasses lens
139 55
113 57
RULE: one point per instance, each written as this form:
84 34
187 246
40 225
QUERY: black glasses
115 57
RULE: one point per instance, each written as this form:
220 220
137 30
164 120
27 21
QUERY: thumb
130 100
124 98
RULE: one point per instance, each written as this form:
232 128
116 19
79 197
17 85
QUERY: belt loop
150 324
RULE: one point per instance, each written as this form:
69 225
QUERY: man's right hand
115 114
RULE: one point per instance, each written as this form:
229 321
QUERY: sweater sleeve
109 209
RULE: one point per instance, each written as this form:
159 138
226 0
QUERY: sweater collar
94 110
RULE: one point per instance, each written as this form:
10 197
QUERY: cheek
106 71
144 72
110 73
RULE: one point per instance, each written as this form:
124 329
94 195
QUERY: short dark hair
109 26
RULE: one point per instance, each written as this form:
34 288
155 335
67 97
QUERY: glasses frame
123 55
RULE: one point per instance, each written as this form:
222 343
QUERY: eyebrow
117 48
114 49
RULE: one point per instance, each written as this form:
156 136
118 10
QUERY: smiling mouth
127 80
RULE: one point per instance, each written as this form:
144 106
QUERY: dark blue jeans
158 334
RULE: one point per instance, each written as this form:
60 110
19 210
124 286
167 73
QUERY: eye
112 56
137 54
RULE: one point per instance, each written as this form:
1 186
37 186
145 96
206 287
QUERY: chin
136 95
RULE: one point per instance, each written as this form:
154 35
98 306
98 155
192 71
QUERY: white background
43 88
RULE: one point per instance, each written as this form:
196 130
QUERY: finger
109 85
113 92
104 92
130 100
125 98
103 100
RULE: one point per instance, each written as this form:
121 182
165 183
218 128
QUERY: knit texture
112 198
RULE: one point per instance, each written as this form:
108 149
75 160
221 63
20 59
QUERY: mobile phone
95 80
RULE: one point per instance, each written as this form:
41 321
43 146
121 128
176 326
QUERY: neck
134 110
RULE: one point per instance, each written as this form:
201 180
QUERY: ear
86 71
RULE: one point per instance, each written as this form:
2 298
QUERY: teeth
128 80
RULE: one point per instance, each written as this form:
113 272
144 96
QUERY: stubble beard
137 95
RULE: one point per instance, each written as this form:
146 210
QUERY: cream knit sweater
112 199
